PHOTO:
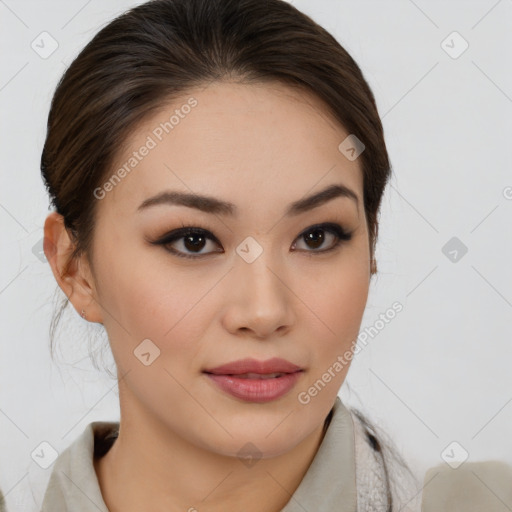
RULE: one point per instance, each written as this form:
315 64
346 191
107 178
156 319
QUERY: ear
73 277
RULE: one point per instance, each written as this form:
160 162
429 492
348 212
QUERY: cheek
338 295
344 304
169 306
339 307
148 303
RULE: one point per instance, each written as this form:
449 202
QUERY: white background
437 373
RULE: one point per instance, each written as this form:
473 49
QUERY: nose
258 299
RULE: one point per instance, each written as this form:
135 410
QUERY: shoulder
58 490
76 464
471 487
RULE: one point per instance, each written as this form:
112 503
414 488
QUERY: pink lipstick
256 381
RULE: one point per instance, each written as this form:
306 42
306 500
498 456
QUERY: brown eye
194 242
188 242
316 236
315 239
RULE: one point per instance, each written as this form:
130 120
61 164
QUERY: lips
255 381
252 368
258 375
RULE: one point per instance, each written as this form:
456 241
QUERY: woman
217 169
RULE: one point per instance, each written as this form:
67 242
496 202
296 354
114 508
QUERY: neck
150 467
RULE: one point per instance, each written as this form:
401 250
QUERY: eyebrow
213 205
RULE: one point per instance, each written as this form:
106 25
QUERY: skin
261 147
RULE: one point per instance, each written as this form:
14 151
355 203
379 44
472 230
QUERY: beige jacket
349 473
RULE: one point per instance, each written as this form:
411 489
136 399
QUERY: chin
257 442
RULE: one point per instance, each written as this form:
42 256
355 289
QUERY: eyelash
341 234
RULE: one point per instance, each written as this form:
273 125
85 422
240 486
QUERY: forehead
243 143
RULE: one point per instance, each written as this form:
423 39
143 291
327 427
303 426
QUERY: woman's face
256 282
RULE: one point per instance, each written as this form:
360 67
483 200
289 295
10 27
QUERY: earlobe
73 276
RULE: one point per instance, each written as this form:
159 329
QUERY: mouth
262 376
255 381
244 367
